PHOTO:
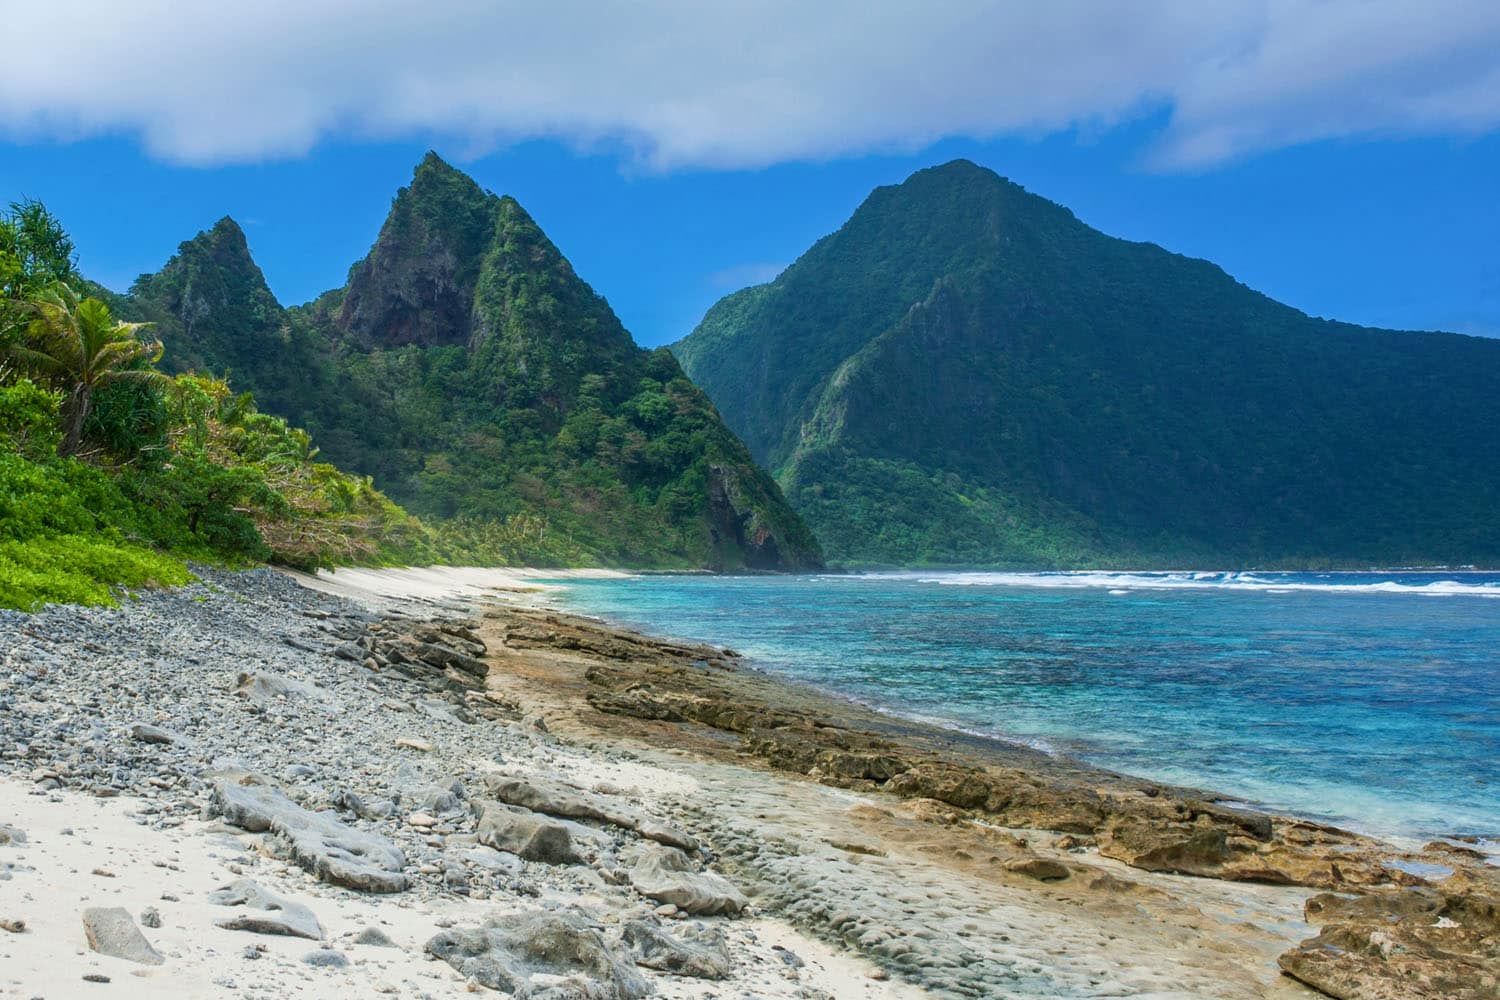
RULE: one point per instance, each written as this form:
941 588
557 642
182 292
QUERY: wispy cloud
746 83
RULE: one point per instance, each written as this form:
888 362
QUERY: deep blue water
1368 699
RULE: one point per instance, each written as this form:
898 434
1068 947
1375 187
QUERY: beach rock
146 733
506 952
1157 846
1041 869
963 787
265 912
325 958
151 917
1421 943
10 835
111 931
437 800
849 765
554 799
375 937
702 957
667 875
525 834
663 833
261 687
331 850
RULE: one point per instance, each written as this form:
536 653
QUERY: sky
1342 156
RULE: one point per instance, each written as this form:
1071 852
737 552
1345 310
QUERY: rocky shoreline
541 804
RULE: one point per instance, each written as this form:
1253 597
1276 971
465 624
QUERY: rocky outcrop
519 953
1420 943
331 850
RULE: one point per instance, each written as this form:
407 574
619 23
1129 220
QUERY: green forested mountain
966 374
474 375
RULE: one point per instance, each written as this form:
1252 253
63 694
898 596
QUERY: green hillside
966 374
477 378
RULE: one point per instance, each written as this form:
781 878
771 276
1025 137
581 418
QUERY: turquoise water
1371 700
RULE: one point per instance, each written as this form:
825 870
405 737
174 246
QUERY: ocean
1371 700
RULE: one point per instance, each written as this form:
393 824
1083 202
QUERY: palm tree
76 345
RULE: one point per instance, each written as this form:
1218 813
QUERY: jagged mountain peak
416 286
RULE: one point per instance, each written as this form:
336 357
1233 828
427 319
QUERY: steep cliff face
416 286
966 374
474 375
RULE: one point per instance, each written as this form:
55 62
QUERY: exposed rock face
416 286
507 953
1421 943
265 912
331 850
112 931
667 875
736 523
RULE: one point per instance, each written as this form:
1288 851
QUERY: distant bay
1366 699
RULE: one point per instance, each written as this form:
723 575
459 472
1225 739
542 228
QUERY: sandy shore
522 765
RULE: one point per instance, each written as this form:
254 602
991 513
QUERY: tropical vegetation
966 374
484 386
115 474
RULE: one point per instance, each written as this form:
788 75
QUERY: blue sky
1342 157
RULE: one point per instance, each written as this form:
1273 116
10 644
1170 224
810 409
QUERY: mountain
474 375
966 374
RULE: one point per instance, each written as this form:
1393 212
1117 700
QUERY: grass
75 569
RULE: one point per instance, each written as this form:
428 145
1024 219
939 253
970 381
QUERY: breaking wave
1422 584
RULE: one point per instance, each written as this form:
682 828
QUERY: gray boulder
147 733
505 953
265 912
526 834
261 687
699 953
375 937
112 931
11 835
667 875
331 850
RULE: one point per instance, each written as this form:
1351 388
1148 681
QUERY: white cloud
744 83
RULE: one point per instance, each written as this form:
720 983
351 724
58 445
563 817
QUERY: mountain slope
966 374
474 375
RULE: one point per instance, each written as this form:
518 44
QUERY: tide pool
1370 700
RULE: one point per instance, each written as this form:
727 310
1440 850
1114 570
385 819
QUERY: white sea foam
1275 583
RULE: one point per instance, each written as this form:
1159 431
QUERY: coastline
874 891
